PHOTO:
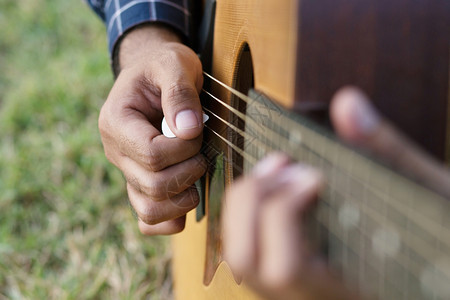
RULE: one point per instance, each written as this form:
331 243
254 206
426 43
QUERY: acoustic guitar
274 67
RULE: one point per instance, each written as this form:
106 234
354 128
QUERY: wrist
140 42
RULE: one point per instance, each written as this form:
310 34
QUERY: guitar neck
386 234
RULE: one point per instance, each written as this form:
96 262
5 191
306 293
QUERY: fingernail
365 116
297 174
187 119
269 165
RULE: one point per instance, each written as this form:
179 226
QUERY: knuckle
146 85
178 226
155 158
187 199
132 182
155 189
279 283
179 93
151 214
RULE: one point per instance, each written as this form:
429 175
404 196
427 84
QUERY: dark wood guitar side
396 51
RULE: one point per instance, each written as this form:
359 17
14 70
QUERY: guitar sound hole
243 81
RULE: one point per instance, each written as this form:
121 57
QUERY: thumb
354 118
357 122
180 79
182 110
181 103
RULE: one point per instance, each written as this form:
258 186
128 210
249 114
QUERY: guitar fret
362 258
381 219
351 246
392 209
311 158
395 209
408 281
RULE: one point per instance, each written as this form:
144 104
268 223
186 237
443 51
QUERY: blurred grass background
66 231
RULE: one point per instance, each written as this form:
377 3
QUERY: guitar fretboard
387 235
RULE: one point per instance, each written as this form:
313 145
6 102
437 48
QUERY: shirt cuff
121 17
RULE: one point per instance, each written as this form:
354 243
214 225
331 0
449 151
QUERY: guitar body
298 53
269 29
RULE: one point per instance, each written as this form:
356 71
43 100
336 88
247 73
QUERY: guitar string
367 211
245 99
412 266
243 117
236 129
242 96
249 158
208 149
229 107
232 126
402 260
229 124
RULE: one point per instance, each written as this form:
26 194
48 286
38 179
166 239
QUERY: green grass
66 231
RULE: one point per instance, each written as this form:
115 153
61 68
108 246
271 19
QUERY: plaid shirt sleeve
121 15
